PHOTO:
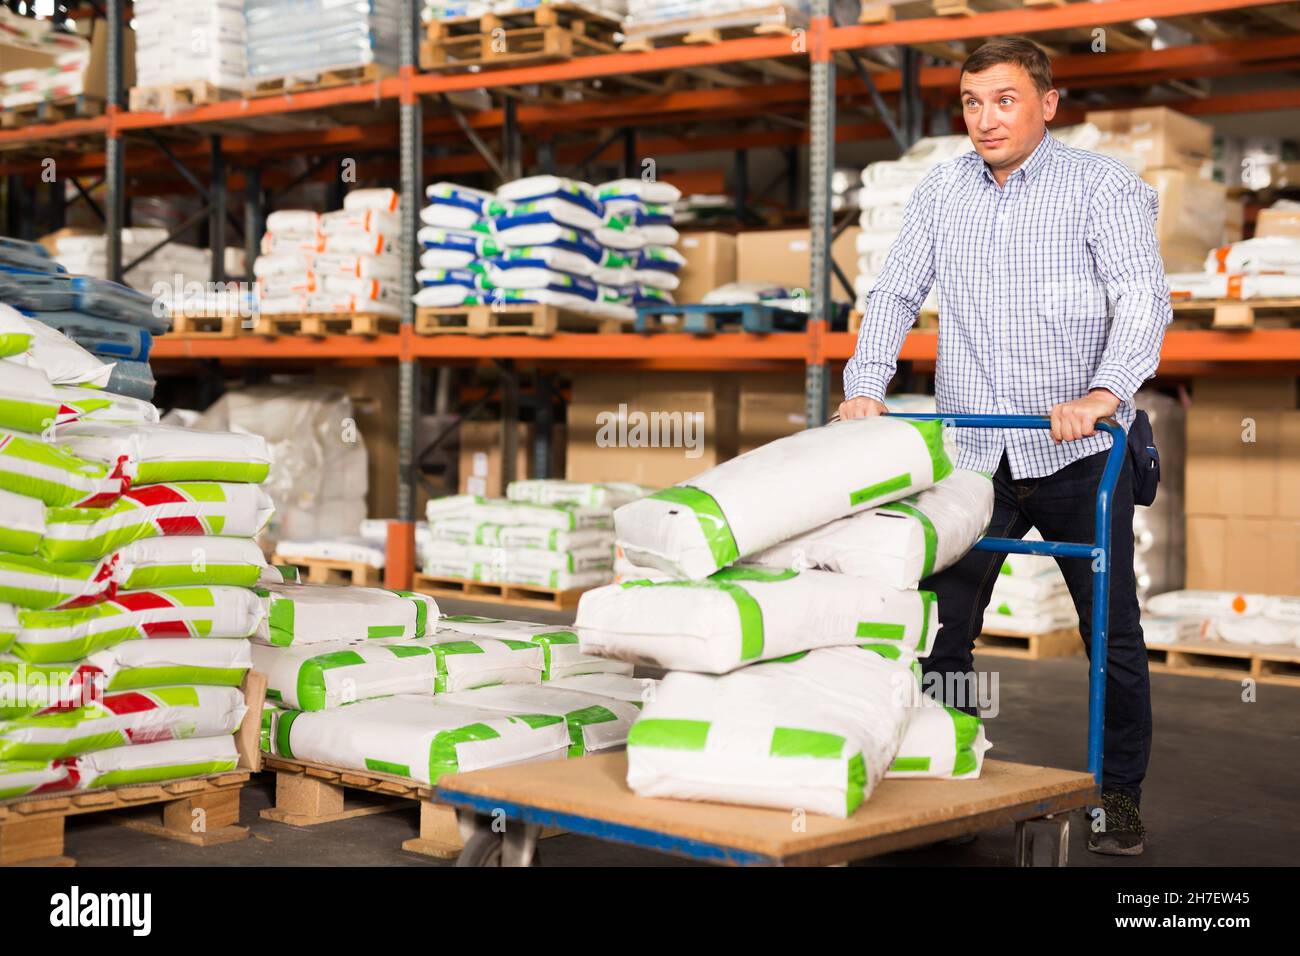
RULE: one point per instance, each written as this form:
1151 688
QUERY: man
1052 298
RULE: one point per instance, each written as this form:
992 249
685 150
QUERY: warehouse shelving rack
820 70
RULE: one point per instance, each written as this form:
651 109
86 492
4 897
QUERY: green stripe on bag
280 622
384 766
793 742
856 785
442 749
881 630
965 728
670 734
927 529
910 765
881 488
282 728
713 523
927 602
311 676
748 611
376 631
931 430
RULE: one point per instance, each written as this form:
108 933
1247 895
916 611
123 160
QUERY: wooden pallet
57 110
1064 642
1240 313
544 34
178 97
327 323
509 320
753 317
329 571
1236 662
322 80
206 326
516 595
310 794
712 29
32 827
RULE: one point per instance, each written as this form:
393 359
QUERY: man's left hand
1078 419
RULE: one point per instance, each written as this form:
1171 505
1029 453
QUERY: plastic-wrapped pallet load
816 732
315 614
201 42
941 742
121 720
303 38
743 615
1260 619
899 543
594 723
699 526
422 738
561 655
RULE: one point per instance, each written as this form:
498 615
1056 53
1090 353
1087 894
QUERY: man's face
1005 114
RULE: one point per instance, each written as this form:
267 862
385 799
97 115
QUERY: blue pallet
703 319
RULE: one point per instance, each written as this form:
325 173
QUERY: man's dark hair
1021 51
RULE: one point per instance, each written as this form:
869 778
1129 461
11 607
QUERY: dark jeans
1062 507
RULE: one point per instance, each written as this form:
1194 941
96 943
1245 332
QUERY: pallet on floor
55 110
996 642
199 811
1203 658
543 34
319 324
509 320
309 794
700 319
710 29
1240 313
329 571
179 96
319 80
516 595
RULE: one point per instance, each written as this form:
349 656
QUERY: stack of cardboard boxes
1178 151
1243 486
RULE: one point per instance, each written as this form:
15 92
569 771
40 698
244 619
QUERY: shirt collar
1033 164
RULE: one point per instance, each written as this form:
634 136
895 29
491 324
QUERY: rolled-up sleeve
1122 237
896 298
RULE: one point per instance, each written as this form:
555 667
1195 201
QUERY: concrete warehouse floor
1220 790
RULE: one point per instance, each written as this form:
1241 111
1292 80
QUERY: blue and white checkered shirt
1048 287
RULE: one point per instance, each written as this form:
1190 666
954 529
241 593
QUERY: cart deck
589 796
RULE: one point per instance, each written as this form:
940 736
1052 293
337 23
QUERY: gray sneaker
1124 834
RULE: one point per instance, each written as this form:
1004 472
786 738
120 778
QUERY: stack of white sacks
126 576
888 184
370 680
557 535
1262 620
792 634
603 250
1251 268
339 262
1030 595
28 85
175 264
196 42
300 39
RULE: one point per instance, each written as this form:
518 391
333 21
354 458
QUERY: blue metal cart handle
1098 553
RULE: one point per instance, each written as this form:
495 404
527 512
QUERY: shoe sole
1116 851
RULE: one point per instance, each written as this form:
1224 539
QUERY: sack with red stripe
152 511
28 580
18 778
154 763
207 612
30 403
52 473
120 720
165 662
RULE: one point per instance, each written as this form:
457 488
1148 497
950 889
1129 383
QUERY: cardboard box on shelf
784 257
772 406
481 456
19 54
1278 222
1193 211
1279 391
1243 462
1164 138
654 428
710 262
1259 555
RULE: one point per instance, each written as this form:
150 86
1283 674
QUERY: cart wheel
484 849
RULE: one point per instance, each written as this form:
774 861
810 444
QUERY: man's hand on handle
861 407
1078 419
